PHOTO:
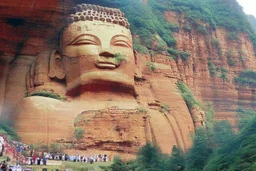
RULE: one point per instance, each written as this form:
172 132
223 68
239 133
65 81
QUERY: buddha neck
93 100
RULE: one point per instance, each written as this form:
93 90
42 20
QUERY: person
44 161
1 149
3 166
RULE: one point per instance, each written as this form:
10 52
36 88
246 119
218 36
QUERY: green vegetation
176 162
137 45
44 93
233 36
201 29
175 54
142 110
223 132
119 165
246 78
165 108
227 14
184 55
238 154
75 166
187 27
187 95
216 44
55 148
120 58
149 157
252 20
203 15
213 149
78 119
212 68
79 133
151 66
241 54
230 57
223 74
6 129
200 152
244 116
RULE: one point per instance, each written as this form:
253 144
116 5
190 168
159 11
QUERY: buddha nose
107 53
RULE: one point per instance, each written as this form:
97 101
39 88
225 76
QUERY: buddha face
97 53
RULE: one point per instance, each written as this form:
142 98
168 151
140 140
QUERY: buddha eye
121 44
84 42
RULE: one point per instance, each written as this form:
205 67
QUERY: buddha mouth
106 65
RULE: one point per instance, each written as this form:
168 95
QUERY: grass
151 66
72 166
44 93
142 110
2 158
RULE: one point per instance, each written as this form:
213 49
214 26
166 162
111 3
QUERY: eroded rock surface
114 119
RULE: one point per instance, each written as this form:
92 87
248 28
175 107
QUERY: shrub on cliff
233 36
79 133
230 57
187 95
201 29
212 68
44 93
184 56
6 129
216 44
151 66
223 74
246 78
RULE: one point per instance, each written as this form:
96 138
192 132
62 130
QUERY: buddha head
96 54
96 50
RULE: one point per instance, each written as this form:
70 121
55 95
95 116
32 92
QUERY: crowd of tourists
43 158
16 149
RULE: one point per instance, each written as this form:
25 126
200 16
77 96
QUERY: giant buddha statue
94 69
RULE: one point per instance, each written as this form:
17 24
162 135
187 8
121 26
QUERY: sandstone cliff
233 55
31 27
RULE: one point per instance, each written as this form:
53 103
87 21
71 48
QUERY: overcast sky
249 6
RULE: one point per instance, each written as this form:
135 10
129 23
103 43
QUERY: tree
118 165
55 148
176 161
223 132
238 154
199 154
149 158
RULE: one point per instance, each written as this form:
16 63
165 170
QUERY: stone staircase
11 152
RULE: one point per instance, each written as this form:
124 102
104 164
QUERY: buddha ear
138 72
55 66
135 56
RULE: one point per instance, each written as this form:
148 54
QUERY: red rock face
225 96
29 28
